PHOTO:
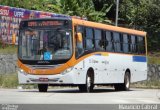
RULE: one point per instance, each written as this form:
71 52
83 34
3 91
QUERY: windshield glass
45 44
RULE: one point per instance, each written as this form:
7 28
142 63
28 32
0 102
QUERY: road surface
73 96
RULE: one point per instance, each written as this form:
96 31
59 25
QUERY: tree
28 4
143 15
82 8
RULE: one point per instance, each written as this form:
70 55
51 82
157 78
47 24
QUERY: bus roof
95 25
108 27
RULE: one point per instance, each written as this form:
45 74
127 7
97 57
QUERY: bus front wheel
42 87
88 87
89 83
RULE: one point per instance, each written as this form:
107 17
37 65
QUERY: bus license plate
43 79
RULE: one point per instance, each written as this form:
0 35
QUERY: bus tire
42 87
124 86
89 83
118 87
82 88
88 87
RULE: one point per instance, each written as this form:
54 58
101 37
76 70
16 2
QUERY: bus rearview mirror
79 37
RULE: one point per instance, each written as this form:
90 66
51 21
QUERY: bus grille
43 66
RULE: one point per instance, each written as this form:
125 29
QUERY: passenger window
80 45
129 43
141 45
125 43
109 43
121 42
89 39
80 29
133 44
117 45
89 33
99 45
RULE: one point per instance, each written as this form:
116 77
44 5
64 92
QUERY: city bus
77 52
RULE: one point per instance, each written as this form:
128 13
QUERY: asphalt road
73 96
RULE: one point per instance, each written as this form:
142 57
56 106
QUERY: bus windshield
45 43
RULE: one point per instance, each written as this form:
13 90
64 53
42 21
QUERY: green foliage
82 8
28 4
154 58
8 80
151 84
8 49
143 15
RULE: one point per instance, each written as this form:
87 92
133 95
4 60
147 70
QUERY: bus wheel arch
128 72
90 72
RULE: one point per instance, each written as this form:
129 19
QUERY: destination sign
44 23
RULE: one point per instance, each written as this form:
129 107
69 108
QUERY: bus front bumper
25 78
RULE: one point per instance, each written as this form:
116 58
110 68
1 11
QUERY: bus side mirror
79 37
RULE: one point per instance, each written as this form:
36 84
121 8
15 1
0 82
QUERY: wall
153 72
10 18
8 64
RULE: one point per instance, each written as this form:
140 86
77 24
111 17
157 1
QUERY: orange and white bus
69 51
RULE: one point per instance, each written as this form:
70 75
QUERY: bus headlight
67 70
22 71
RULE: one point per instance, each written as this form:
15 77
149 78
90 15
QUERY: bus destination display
44 23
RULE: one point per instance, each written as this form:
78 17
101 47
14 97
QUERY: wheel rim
127 82
88 83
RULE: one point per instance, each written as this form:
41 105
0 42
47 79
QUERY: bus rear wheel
124 86
42 87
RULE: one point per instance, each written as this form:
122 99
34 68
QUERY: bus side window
117 46
121 42
136 44
125 43
89 39
141 45
129 44
98 39
79 45
133 44
81 30
109 44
